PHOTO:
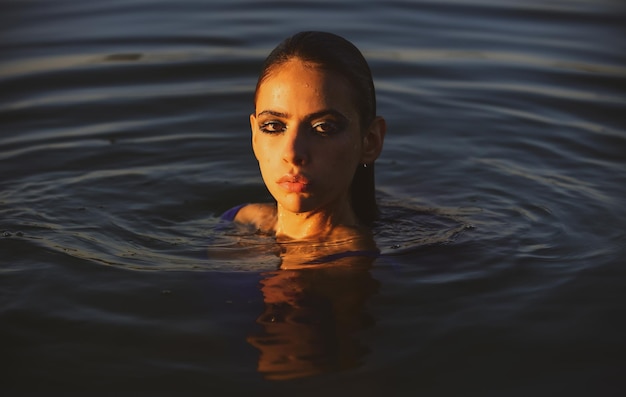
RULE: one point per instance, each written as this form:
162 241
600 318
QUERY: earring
364 165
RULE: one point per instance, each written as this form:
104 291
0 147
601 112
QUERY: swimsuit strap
230 214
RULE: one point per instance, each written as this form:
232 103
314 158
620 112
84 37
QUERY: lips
294 183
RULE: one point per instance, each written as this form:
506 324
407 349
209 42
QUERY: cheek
340 159
356 149
352 150
263 151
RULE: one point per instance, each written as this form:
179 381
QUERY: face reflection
306 137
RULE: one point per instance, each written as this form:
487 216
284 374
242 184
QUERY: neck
316 225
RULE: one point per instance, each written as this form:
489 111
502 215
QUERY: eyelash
334 127
269 127
277 127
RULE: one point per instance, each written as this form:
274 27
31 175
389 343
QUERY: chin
296 205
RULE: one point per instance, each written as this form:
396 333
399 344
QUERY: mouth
294 183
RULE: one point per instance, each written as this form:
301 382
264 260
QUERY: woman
316 135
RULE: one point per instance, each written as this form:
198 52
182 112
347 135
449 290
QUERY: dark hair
334 53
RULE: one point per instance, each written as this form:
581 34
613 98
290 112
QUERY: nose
296 146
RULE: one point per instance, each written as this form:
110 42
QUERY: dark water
124 135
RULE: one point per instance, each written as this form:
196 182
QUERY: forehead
296 82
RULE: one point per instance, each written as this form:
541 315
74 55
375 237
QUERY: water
124 136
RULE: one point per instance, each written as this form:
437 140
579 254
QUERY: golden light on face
306 137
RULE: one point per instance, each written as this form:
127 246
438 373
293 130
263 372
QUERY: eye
327 127
272 127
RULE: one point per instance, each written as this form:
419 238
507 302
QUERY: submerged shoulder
263 216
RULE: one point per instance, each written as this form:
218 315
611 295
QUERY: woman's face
306 137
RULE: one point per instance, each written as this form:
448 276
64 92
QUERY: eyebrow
312 116
272 113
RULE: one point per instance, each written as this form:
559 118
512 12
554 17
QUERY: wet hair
334 53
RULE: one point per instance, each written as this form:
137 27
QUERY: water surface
124 135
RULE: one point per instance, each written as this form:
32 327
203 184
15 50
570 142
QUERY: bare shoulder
262 216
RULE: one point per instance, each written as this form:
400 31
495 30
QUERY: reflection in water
312 318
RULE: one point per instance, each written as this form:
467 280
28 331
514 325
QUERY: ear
373 140
253 129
